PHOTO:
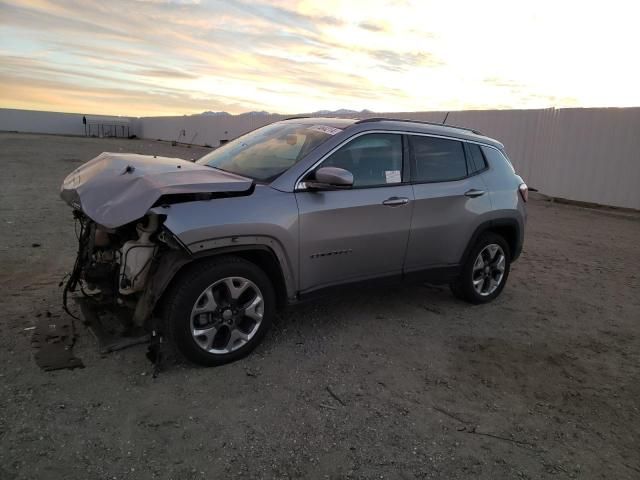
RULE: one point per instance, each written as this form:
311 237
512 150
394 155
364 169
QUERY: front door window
374 159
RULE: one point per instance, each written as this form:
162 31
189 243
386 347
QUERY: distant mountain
256 113
342 111
227 114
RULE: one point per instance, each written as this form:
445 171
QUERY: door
362 232
451 200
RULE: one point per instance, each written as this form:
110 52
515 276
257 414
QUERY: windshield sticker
392 176
325 129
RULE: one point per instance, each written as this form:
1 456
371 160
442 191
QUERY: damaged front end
126 257
113 263
111 275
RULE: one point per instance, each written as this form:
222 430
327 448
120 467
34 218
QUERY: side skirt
437 276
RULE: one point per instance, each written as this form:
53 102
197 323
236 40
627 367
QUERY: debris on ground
53 341
111 333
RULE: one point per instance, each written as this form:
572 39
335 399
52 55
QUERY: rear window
438 159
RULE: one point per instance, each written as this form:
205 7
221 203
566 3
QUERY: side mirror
331 178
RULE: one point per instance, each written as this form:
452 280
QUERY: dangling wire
74 276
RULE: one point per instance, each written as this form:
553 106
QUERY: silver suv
204 253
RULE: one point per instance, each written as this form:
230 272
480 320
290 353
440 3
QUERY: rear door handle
473 193
395 201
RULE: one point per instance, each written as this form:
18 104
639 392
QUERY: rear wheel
220 310
485 273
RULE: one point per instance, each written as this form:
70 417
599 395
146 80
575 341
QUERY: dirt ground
402 382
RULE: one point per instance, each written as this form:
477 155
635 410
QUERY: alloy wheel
227 315
488 269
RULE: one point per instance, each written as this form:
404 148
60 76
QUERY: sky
175 57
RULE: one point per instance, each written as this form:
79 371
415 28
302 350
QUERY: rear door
360 233
451 199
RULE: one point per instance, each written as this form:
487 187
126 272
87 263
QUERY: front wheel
219 310
485 273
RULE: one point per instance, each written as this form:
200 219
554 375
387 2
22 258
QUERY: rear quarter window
496 158
477 163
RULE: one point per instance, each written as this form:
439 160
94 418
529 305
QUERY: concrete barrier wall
203 129
582 154
58 123
588 155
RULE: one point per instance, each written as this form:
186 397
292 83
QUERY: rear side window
373 159
438 159
476 159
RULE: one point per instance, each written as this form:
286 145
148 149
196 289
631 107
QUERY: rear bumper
519 245
522 226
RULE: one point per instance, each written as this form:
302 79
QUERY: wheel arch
172 265
507 228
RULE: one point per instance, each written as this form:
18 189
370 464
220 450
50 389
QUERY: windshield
267 152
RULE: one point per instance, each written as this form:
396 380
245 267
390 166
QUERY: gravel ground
402 382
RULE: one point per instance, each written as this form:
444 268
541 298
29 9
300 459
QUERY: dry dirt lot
543 383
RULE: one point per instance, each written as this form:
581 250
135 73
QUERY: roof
421 122
396 124
430 128
328 121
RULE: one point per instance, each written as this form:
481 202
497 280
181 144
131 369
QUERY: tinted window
374 159
476 159
438 159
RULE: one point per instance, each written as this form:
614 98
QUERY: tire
208 287
474 277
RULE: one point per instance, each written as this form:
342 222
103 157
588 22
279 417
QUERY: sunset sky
158 57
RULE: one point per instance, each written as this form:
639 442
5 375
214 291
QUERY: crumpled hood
115 188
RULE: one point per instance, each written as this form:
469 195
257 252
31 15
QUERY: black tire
463 288
185 291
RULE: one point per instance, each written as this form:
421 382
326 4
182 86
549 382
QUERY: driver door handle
473 193
396 201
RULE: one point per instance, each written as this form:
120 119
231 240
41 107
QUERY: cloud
57 95
36 19
396 61
503 83
151 56
164 73
273 56
372 27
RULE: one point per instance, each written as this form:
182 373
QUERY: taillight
524 191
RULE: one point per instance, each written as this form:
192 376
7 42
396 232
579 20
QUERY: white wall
203 129
32 121
583 154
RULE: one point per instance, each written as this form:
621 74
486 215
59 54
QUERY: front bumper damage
126 257
119 276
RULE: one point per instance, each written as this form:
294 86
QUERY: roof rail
380 119
297 117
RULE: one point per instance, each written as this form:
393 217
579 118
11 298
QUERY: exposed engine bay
113 264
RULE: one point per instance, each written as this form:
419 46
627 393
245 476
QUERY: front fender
169 265
266 217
